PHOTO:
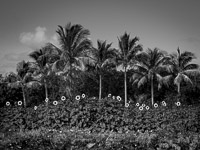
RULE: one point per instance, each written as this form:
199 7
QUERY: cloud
34 39
37 39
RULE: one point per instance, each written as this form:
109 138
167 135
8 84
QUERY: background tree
24 78
7 93
101 57
180 69
148 68
126 55
44 58
74 44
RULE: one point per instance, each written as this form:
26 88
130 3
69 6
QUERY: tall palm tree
148 68
100 58
180 68
43 58
24 78
74 44
126 54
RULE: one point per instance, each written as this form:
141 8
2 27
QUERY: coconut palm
43 58
101 57
180 68
148 68
74 43
126 55
24 78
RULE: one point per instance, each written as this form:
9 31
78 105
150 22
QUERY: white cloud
37 39
34 39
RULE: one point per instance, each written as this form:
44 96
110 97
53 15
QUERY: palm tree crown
180 68
74 44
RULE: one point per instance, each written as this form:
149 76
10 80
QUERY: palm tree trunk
100 85
24 96
45 86
152 93
178 88
70 80
125 86
179 91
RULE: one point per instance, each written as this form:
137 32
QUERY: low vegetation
85 123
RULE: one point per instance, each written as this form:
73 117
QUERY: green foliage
9 94
107 115
52 139
106 124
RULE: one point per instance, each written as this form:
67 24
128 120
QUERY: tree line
76 65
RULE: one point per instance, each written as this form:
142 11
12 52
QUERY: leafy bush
82 139
85 123
109 114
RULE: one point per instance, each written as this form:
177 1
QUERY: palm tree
148 68
24 78
101 57
180 68
126 54
74 44
44 57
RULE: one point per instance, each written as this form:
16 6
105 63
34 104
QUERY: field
88 124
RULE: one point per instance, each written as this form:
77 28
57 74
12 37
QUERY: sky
26 25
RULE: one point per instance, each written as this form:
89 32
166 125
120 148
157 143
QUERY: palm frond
187 54
178 79
81 47
132 43
186 78
58 65
142 81
158 77
134 52
192 72
62 39
16 84
191 66
166 80
33 84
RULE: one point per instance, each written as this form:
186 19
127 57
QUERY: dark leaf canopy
23 68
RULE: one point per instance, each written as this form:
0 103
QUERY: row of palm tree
76 52
178 68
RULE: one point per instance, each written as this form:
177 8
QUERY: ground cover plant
86 122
